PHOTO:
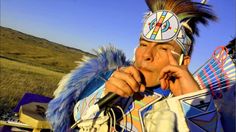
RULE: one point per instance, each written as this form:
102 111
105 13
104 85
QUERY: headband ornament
164 26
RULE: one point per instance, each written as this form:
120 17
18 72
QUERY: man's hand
125 81
177 78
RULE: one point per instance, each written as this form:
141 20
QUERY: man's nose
148 54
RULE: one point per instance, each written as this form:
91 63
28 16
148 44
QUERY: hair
232 49
189 13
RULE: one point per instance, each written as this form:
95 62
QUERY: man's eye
143 45
163 48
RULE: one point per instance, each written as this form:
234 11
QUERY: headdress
175 20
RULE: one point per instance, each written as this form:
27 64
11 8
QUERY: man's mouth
144 67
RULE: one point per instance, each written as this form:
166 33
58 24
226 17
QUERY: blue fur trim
60 109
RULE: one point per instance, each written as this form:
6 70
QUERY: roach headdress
175 20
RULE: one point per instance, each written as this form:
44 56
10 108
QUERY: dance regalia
152 110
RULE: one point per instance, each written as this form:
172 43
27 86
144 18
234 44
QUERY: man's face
151 57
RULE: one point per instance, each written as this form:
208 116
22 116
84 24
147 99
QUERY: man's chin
152 85
143 70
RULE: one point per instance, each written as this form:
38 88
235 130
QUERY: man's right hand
125 81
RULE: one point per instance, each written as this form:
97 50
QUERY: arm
194 108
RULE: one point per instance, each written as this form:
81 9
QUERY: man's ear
186 60
134 54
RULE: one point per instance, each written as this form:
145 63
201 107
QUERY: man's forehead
171 43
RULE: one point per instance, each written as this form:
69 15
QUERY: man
160 70
157 62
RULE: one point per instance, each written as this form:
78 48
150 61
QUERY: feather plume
222 82
219 73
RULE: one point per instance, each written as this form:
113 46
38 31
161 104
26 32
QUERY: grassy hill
31 64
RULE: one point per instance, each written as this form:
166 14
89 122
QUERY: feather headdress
189 13
219 73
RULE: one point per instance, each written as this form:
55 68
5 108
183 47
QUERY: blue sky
89 24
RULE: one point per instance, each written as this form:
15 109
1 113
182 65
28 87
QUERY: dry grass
39 52
18 78
31 64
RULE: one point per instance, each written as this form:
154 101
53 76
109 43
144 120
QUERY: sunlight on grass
13 65
31 64
18 78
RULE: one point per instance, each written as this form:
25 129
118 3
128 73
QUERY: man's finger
171 58
128 78
176 91
111 88
163 85
142 88
134 72
115 85
169 69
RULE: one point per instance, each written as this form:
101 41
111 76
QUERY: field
18 78
31 64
